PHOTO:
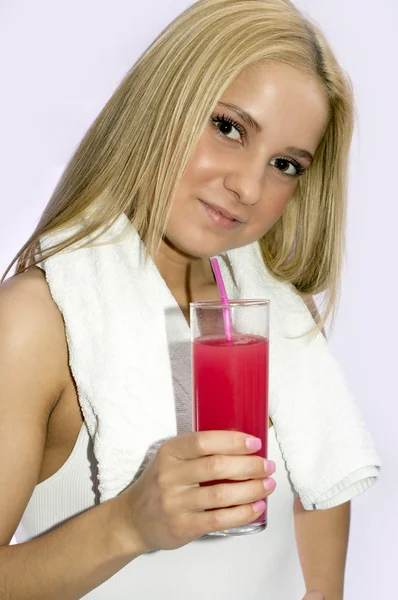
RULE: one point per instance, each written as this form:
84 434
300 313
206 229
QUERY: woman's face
251 169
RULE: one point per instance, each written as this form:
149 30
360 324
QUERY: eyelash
300 170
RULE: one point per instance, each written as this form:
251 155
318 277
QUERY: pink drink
231 386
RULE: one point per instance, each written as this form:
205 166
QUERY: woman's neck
188 278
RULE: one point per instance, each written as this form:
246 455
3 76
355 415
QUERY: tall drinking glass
230 377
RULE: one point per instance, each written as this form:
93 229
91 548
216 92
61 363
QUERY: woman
233 127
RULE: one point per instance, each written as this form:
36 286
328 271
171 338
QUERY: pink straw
224 299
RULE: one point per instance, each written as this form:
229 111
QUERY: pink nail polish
269 466
253 443
269 484
259 506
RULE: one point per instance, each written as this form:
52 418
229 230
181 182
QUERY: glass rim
231 303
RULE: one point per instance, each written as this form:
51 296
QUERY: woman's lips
219 220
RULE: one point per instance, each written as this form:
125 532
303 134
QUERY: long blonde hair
134 154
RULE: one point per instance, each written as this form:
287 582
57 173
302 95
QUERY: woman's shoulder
32 330
26 297
31 281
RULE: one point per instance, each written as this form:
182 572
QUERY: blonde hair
134 154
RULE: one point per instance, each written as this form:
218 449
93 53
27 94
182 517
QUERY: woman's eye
287 166
226 126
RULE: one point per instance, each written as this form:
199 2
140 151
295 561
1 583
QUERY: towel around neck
117 310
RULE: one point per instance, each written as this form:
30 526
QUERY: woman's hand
314 595
166 507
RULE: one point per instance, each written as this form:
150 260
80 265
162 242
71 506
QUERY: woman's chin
190 247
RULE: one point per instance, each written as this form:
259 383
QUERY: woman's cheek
272 212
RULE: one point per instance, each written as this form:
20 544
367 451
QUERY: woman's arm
81 554
71 560
322 541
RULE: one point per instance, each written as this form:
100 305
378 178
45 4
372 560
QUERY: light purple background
60 62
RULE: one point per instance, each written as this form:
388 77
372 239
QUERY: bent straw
224 299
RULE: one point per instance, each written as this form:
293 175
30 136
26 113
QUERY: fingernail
259 506
269 484
269 466
253 443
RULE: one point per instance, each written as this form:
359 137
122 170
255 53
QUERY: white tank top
261 566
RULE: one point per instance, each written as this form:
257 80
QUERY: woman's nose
246 178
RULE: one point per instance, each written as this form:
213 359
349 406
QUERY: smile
220 217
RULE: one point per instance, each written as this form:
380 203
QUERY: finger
203 443
225 518
228 494
217 466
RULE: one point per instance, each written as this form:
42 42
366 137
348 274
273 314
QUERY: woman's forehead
280 100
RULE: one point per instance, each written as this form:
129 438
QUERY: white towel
117 311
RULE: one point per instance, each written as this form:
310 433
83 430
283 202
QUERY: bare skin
39 411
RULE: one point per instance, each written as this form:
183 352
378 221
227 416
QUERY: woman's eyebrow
248 119
245 116
300 153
